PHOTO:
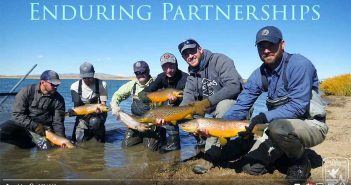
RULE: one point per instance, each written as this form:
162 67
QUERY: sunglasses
53 85
187 42
140 73
189 51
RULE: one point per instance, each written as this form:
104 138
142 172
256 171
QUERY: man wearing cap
143 134
171 77
38 107
89 90
296 115
214 80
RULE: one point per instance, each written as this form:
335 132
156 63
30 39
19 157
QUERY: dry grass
338 86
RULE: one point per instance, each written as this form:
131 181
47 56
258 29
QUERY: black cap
189 43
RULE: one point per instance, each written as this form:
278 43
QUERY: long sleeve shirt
302 78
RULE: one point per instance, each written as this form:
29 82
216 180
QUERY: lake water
90 160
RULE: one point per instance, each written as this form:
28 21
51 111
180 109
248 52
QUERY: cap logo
138 64
265 32
167 56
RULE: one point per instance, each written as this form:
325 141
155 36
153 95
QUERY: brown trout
58 140
163 95
172 114
220 128
86 110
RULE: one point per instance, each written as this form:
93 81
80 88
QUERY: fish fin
259 129
223 141
174 123
189 116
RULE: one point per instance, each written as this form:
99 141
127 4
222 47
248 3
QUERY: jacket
126 90
302 79
218 80
178 81
30 110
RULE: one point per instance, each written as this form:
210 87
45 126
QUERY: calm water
90 160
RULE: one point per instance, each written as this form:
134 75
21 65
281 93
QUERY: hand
98 110
172 98
115 112
40 129
246 135
259 119
143 97
160 121
202 132
143 128
201 106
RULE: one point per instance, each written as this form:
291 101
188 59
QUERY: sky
48 33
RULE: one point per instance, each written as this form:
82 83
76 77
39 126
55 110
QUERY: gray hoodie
216 80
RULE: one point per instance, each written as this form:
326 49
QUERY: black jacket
31 109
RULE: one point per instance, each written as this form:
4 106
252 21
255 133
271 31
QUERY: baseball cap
168 58
190 43
87 70
51 76
141 67
270 34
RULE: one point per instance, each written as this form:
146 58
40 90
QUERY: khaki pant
212 146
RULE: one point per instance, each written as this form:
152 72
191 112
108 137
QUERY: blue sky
114 45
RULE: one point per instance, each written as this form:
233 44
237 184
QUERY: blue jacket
302 78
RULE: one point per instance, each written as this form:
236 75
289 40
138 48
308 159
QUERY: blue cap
51 76
141 66
87 70
270 34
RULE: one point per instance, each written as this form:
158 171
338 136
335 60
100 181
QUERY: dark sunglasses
88 78
189 51
187 42
53 85
140 73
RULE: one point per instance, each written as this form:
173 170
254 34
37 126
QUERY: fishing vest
316 108
138 108
93 100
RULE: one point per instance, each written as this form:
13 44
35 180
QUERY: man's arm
189 90
59 116
20 108
252 90
121 94
230 78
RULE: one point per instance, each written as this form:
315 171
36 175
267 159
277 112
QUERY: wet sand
336 145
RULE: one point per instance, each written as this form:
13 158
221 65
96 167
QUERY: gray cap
168 58
87 70
141 66
51 76
270 34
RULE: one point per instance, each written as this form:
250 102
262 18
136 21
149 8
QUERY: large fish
129 120
171 113
163 95
220 128
58 140
86 110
